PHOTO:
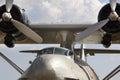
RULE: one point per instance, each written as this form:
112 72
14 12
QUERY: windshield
55 50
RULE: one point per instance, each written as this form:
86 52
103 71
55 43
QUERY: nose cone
49 67
54 67
40 69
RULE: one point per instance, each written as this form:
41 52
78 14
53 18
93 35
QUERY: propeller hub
6 16
113 16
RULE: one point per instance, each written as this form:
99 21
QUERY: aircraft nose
40 69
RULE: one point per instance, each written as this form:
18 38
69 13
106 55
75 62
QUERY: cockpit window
59 51
55 50
47 51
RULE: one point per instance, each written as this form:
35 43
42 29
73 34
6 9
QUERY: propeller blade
27 31
113 4
0 20
90 30
9 4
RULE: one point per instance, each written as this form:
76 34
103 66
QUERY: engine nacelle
17 14
111 26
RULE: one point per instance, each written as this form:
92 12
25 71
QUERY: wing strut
12 63
113 73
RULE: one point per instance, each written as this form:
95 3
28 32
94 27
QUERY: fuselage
58 67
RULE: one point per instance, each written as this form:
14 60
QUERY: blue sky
59 10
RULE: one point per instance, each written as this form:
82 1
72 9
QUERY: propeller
113 5
27 31
90 30
9 4
20 26
113 16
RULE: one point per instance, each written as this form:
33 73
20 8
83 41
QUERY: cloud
1 2
73 10
53 11
61 10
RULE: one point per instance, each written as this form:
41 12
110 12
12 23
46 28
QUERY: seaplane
65 62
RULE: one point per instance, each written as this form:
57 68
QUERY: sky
38 11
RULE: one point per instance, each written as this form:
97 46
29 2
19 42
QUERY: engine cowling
111 26
7 26
14 22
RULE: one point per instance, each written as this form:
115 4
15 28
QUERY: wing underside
51 34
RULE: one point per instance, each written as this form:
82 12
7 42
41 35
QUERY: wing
51 33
